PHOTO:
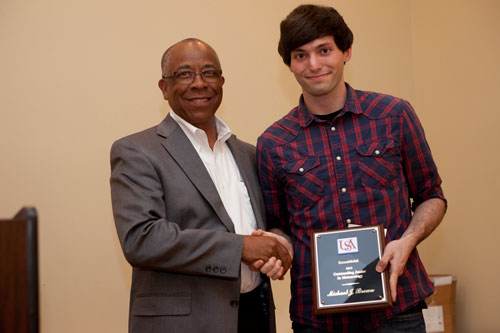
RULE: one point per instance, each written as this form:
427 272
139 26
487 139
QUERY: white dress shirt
225 174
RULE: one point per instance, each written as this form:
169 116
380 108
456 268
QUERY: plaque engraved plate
344 275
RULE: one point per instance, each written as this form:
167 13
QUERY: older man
186 199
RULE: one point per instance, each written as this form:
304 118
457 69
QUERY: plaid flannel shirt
370 165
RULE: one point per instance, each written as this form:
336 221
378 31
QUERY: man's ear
347 54
163 87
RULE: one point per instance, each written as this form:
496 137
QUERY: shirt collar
197 136
352 104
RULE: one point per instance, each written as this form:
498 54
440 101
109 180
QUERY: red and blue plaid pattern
367 166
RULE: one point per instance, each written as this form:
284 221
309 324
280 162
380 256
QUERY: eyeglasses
187 77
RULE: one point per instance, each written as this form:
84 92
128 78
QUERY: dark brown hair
309 22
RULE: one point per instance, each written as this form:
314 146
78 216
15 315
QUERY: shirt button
348 220
234 304
344 190
377 152
301 169
339 158
332 128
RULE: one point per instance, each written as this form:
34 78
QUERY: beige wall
76 75
456 53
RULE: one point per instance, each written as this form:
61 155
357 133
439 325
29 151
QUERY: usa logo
347 245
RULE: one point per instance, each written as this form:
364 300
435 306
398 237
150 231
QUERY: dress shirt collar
197 136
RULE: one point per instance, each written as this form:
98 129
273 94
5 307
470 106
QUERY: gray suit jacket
176 233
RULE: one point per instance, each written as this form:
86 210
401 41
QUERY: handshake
268 252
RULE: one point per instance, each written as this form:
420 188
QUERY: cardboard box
440 315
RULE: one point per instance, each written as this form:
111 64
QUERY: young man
347 157
185 199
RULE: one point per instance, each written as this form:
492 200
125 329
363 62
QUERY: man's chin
318 91
200 113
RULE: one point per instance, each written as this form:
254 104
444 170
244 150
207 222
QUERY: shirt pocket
248 220
377 163
303 182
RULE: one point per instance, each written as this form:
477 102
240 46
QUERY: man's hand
281 238
273 268
258 250
396 254
426 218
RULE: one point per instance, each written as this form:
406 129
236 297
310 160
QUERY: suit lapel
182 151
247 170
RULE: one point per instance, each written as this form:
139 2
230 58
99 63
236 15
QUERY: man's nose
198 81
314 63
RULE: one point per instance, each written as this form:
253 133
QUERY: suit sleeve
148 239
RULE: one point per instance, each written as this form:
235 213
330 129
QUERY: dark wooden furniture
19 273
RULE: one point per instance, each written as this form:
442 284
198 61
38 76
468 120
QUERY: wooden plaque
344 275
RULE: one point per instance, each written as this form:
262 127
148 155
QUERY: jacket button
208 269
223 270
216 269
234 304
